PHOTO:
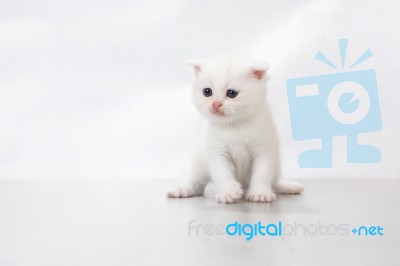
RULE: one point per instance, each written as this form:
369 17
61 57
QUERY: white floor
131 222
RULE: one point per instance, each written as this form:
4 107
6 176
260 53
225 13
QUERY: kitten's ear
259 71
196 64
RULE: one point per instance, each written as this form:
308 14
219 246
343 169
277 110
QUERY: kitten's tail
287 187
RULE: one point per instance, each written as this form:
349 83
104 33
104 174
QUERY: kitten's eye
232 93
207 92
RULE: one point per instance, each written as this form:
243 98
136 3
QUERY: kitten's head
227 90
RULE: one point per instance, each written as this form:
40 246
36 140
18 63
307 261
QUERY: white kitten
240 150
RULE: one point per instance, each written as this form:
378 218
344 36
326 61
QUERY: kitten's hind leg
287 187
195 184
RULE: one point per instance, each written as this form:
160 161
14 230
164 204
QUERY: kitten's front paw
257 195
229 195
182 191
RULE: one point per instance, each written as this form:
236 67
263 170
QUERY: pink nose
216 105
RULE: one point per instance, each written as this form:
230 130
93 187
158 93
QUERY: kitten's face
226 90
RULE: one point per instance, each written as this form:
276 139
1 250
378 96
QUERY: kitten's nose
216 105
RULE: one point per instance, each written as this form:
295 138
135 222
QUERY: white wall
100 89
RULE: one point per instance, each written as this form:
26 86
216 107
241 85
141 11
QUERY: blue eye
207 92
232 93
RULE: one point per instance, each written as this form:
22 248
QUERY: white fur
240 151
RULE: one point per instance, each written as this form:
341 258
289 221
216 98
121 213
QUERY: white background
99 89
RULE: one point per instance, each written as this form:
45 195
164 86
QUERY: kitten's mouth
218 112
